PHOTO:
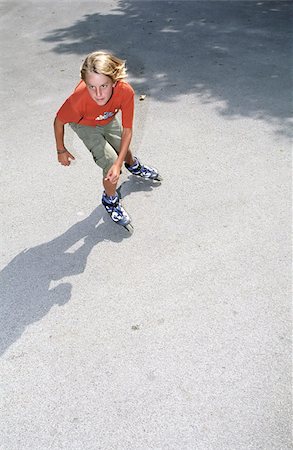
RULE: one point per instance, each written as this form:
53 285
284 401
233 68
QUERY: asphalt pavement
177 337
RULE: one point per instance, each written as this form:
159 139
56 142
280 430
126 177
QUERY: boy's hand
113 174
64 157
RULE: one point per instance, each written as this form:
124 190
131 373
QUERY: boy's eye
103 86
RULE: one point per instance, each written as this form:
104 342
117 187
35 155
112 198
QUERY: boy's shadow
25 292
134 183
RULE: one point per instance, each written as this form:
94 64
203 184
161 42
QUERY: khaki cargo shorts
102 141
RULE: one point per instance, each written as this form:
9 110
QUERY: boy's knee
105 163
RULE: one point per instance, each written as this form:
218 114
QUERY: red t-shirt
82 109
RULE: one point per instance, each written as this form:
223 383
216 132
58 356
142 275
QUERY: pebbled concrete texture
177 337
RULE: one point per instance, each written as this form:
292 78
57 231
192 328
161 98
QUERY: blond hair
104 63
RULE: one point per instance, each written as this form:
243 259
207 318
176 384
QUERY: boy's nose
98 92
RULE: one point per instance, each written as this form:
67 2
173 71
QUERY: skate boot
116 211
149 173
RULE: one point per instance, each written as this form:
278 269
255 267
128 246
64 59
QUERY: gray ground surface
177 337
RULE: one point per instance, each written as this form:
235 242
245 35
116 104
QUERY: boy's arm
64 156
114 172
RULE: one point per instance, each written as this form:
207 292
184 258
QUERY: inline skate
116 211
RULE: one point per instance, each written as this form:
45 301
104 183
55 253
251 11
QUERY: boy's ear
114 84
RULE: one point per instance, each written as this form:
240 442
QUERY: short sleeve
67 113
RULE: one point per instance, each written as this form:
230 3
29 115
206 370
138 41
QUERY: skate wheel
129 228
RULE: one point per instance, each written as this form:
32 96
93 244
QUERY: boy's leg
104 155
109 187
113 136
129 159
102 152
132 163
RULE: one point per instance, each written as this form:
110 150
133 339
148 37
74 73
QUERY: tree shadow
26 290
233 52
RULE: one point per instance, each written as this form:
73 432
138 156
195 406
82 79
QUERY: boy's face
100 87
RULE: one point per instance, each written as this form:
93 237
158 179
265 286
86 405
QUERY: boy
91 112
